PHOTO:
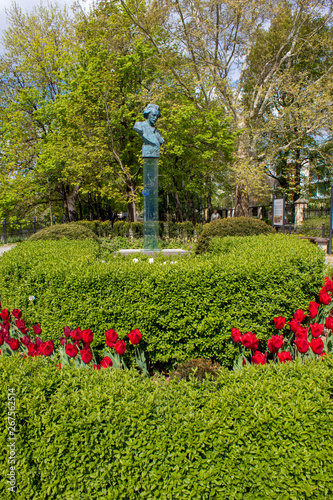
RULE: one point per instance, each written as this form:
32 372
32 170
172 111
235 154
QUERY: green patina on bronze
152 141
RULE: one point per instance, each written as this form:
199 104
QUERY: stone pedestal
166 251
300 208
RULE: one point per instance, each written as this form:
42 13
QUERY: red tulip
76 334
38 341
106 362
324 297
316 329
275 343
63 341
259 358
120 347
86 356
313 309
111 336
294 325
4 314
236 335
279 322
67 331
26 340
284 356
37 329
17 313
97 367
299 315
47 348
328 285
317 345
14 344
250 341
87 336
71 350
134 336
302 332
20 323
302 345
329 323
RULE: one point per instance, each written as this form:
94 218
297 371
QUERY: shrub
100 434
184 310
198 368
238 226
120 228
100 228
71 231
137 229
313 226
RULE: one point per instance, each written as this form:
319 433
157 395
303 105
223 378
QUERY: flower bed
184 310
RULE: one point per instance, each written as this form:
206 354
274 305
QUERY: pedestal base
166 251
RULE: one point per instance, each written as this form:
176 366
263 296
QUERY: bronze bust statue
150 135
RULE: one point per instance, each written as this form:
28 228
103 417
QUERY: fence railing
21 230
316 212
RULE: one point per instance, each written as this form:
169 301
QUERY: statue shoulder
138 126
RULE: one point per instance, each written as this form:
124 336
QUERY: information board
278 211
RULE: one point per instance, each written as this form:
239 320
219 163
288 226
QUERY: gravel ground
5 248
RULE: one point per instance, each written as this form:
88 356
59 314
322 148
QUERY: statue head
151 112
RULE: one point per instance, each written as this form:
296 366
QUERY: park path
5 248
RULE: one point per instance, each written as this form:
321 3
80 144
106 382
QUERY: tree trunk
209 206
179 215
71 203
50 204
168 206
131 205
241 202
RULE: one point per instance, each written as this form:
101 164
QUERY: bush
250 435
198 368
100 228
120 228
71 231
184 310
313 226
238 226
182 230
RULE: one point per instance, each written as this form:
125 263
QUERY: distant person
114 217
215 215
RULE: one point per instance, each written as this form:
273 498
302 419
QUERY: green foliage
71 231
120 228
184 310
182 230
237 226
86 434
313 226
98 227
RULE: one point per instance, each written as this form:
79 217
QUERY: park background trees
244 88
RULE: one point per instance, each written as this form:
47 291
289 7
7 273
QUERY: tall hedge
184 309
238 226
263 433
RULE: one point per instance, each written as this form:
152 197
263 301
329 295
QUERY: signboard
278 211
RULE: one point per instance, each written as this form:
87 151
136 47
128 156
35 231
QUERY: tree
37 55
217 39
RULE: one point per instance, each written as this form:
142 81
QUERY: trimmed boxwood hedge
237 226
262 433
184 310
71 231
